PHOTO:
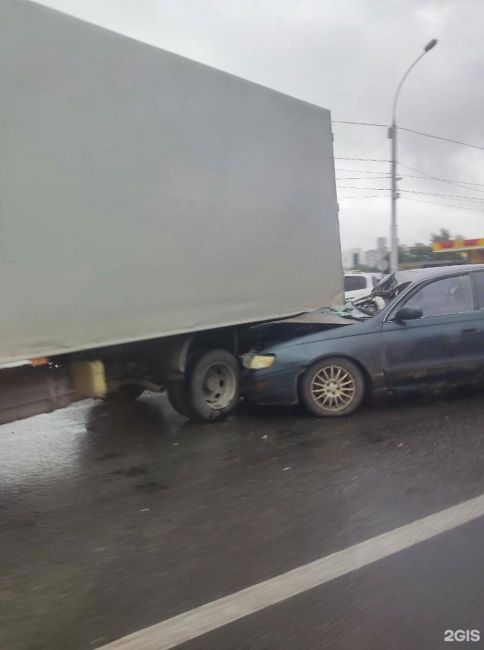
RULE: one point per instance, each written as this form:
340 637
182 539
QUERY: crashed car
422 327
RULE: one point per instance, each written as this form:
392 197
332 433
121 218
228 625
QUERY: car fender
367 358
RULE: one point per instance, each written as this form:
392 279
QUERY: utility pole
392 134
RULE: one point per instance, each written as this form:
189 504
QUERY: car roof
416 275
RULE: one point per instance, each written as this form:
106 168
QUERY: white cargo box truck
151 208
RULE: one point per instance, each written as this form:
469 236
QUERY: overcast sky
348 56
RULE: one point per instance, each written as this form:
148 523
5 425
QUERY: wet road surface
115 517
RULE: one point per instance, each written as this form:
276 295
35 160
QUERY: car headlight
258 361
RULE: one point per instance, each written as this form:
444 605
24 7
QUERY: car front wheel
332 387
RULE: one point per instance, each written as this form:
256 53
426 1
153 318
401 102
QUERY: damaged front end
265 335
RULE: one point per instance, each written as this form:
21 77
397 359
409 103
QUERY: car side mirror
407 313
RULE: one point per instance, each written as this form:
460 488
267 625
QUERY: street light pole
392 134
393 224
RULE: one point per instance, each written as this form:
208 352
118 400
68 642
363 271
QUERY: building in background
371 260
381 244
352 258
381 254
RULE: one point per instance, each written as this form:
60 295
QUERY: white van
359 285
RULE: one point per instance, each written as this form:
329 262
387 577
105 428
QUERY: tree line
421 253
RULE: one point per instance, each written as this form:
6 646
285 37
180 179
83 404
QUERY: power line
363 178
447 205
468 185
371 196
405 198
363 159
402 128
448 196
385 126
358 171
442 180
387 189
426 175
454 182
373 189
420 171
437 137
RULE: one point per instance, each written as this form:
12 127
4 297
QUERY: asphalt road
116 517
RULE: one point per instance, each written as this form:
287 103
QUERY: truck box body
143 194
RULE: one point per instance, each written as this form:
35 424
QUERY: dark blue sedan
418 328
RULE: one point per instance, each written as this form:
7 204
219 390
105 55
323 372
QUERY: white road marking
203 619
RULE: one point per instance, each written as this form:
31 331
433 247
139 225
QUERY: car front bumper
270 387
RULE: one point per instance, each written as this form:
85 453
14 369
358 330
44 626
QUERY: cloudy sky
348 56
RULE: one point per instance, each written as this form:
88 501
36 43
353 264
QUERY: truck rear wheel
213 386
178 396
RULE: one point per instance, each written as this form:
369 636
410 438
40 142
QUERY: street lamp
392 134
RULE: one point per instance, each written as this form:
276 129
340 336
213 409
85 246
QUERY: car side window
443 297
478 278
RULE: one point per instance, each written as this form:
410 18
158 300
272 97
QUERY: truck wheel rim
333 388
219 385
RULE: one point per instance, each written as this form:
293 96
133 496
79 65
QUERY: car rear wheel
332 387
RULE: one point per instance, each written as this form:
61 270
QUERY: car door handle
471 330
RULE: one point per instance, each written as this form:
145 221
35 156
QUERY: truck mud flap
27 391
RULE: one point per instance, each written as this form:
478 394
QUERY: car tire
178 397
332 387
213 385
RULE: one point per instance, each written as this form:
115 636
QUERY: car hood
317 317
296 327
